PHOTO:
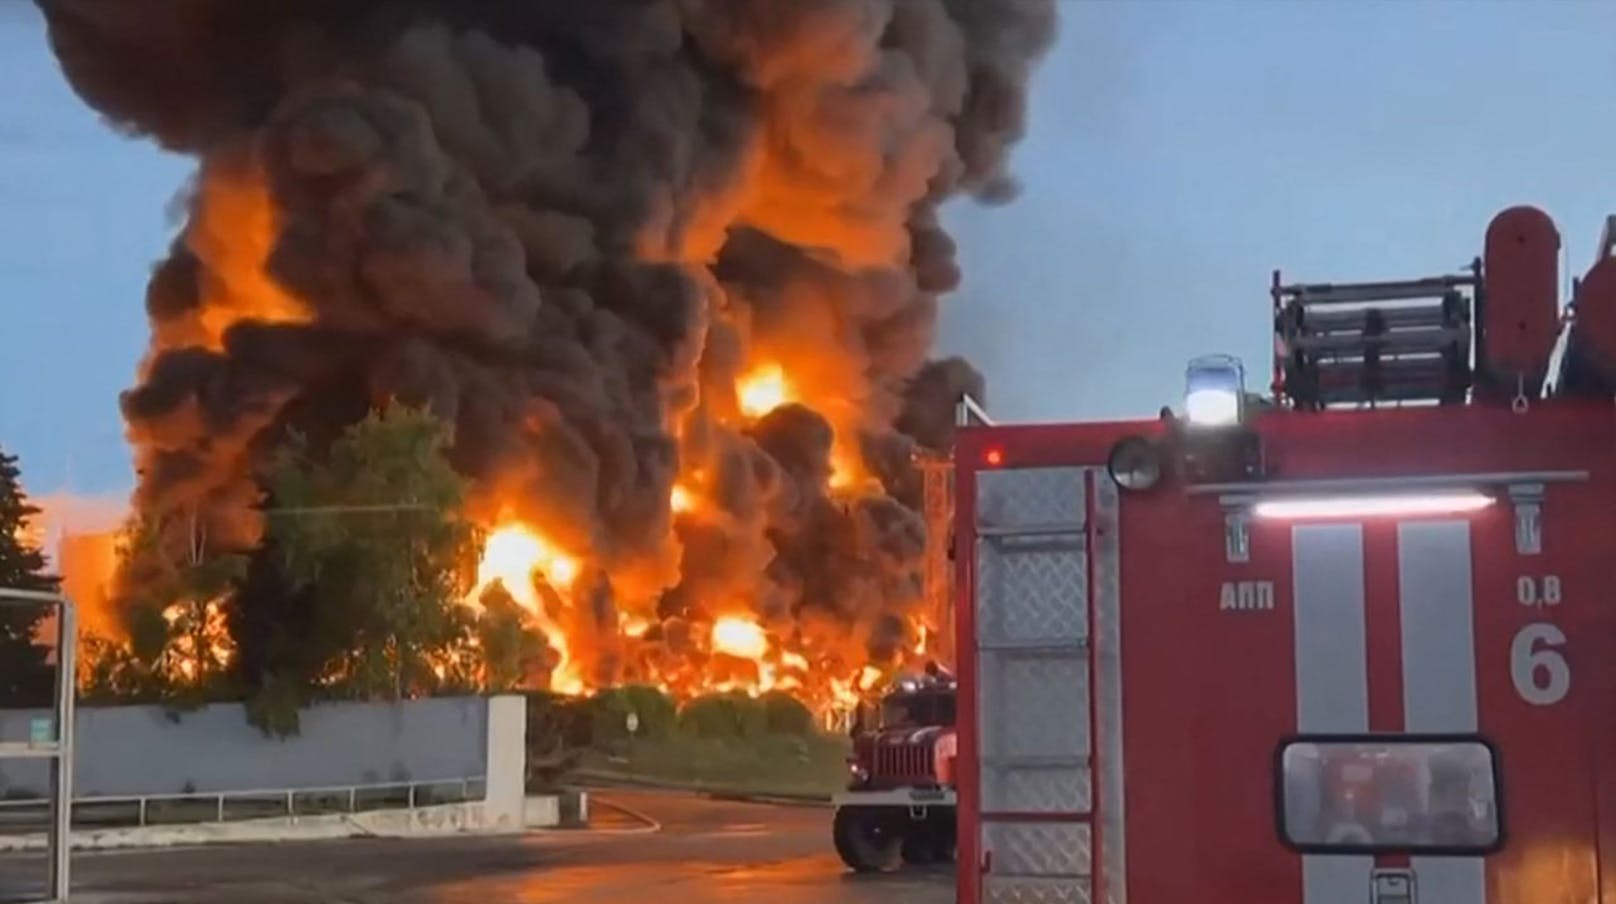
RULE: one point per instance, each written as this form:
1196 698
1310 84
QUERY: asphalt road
705 851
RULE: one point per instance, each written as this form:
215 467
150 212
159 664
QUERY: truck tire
920 846
930 840
867 839
944 837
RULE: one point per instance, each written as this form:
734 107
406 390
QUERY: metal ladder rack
1363 344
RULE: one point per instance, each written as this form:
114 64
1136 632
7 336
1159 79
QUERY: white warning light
1370 506
1214 389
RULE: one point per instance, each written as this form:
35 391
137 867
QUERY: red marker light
994 457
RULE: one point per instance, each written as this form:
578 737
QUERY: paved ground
706 851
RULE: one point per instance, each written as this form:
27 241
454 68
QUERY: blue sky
1179 151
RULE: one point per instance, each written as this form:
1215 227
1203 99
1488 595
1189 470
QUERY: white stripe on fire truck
1332 683
1436 602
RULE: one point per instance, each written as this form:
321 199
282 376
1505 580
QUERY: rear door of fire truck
1041 664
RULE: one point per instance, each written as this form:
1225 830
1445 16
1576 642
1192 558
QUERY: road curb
648 824
437 821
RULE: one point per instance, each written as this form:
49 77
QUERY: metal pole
968 410
61 831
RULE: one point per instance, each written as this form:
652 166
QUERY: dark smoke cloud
570 228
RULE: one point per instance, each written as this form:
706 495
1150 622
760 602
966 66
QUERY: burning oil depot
670 270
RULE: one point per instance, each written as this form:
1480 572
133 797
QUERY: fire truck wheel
868 839
943 839
920 844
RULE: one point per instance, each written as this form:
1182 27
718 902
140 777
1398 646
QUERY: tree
514 652
373 534
176 648
25 676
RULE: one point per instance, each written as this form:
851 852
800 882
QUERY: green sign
41 730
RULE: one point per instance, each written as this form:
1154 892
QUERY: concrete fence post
505 782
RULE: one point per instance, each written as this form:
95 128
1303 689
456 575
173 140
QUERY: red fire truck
899 804
1348 642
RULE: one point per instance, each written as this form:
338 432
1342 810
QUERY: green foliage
731 716
556 722
772 764
111 674
25 676
274 708
657 711
178 647
784 714
735 716
373 531
610 710
514 652
608 717
22 564
169 563
558 733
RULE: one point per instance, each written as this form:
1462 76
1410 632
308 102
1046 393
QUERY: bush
723 717
610 710
556 722
656 710
784 714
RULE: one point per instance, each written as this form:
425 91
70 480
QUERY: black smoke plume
572 228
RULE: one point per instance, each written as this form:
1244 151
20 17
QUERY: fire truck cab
899 804
1350 642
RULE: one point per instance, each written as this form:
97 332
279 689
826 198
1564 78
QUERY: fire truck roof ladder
1365 344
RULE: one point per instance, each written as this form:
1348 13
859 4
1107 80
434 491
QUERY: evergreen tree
25 676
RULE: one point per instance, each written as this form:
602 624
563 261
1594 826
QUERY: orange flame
740 638
635 626
232 233
847 472
763 390
513 556
524 561
202 645
680 500
826 669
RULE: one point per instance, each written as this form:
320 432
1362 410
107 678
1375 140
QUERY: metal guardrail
123 811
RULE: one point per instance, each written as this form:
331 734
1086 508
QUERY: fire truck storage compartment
1034 702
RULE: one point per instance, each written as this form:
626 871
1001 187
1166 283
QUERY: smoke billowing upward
578 232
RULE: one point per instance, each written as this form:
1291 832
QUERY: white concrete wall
133 750
505 806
